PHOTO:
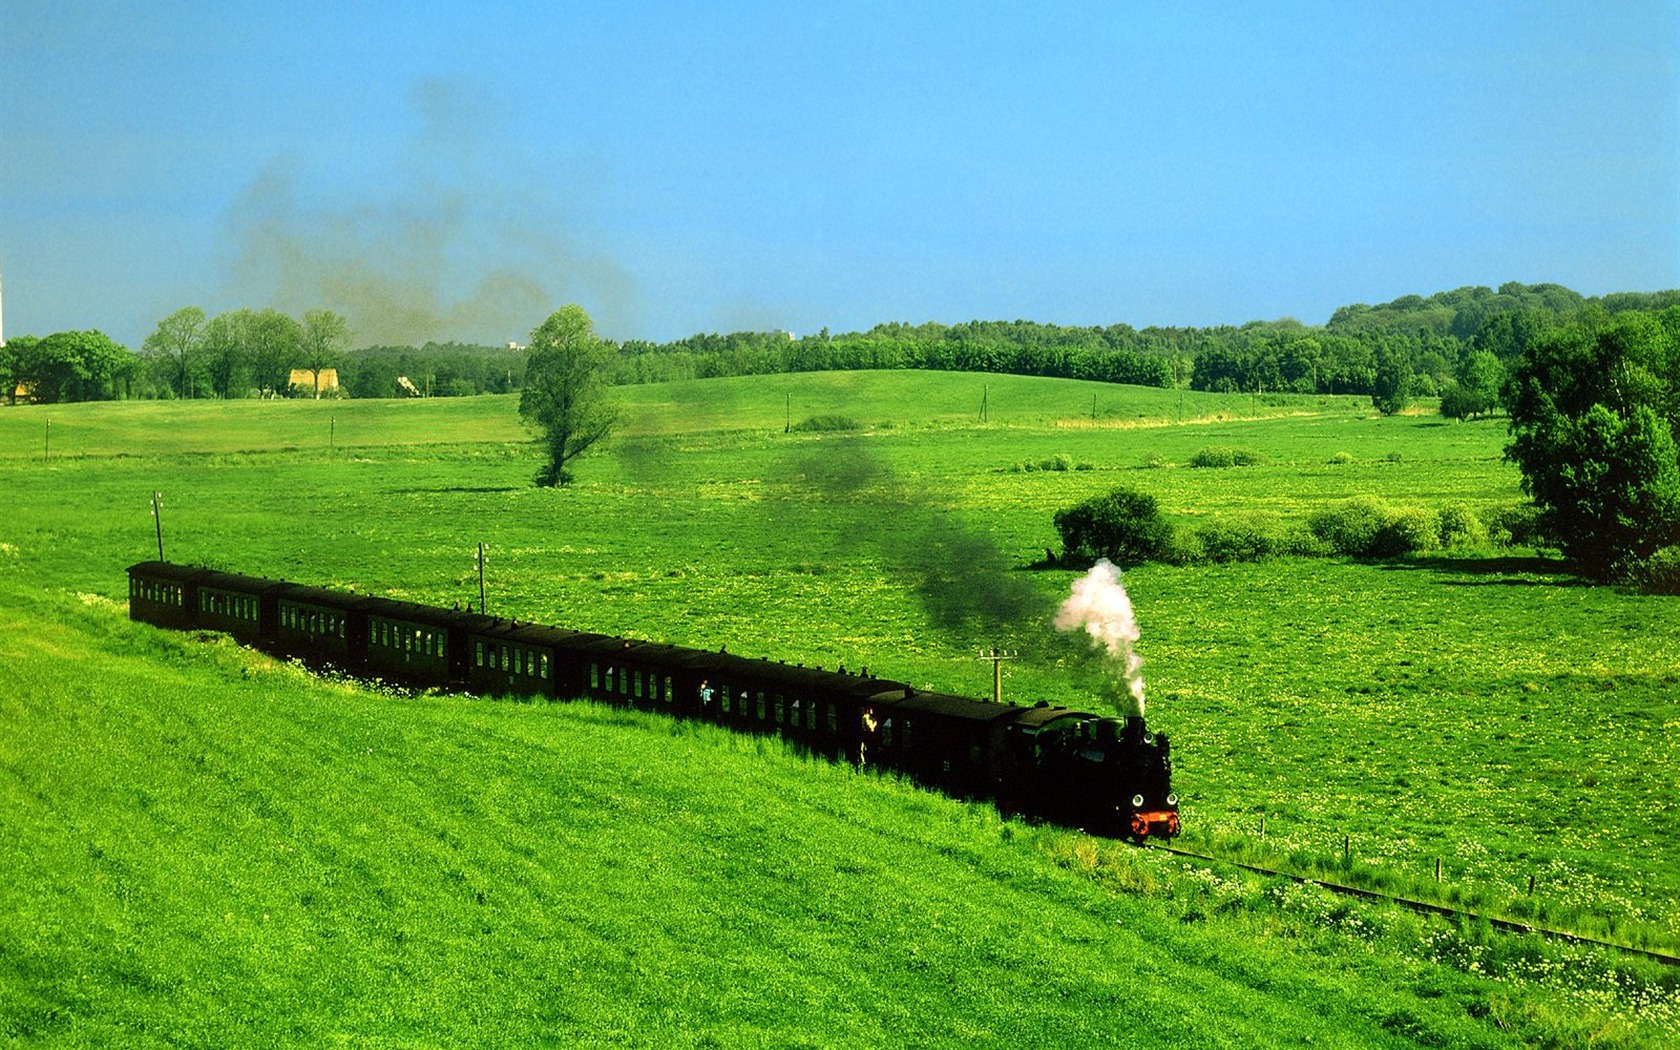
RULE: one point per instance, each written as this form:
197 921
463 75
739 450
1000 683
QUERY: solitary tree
565 390
324 336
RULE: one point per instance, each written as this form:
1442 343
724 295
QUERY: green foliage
1594 412
1658 573
564 396
1366 527
826 424
1341 459
1061 461
1248 536
1225 456
1123 525
1460 527
71 366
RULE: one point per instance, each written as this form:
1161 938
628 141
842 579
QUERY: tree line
1458 345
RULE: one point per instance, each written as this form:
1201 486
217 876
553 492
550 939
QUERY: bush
1659 573
1351 528
1124 526
1459 527
1341 459
826 423
1242 537
1153 461
1408 531
1516 525
1368 528
1225 456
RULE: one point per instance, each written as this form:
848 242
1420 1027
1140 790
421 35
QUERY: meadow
1480 710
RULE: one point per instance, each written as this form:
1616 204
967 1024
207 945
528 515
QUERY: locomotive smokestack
1099 604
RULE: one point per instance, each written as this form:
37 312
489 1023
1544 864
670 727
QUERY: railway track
1506 925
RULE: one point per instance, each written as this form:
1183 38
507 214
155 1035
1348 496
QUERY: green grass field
212 844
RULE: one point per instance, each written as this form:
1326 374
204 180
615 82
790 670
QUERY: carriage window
886 733
780 713
624 682
638 685
542 665
670 695
478 653
833 719
594 676
725 691
761 711
811 715
906 734
609 679
504 658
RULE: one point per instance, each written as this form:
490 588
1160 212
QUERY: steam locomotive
1108 776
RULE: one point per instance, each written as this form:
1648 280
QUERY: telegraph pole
997 657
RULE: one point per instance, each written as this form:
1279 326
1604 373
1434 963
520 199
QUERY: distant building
303 381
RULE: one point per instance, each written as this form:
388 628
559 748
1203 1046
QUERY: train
1109 776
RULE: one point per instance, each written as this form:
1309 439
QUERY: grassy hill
213 848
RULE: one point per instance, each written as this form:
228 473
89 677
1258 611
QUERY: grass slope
212 849
1484 710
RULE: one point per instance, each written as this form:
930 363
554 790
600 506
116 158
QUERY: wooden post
481 607
157 517
332 432
1437 869
48 452
1531 885
1262 826
787 418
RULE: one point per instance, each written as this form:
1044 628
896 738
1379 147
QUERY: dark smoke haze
458 242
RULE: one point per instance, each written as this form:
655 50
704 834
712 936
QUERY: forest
1457 345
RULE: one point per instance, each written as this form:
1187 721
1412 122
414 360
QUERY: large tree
1595 416
177 344
565 390
324 337
73 366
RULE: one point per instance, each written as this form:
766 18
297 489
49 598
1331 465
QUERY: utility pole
157 518
985 393
997 657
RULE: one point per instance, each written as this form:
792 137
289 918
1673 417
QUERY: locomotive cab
1108 775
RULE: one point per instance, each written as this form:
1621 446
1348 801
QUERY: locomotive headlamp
1137 800
1172 798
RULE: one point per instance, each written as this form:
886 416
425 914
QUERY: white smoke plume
1099 604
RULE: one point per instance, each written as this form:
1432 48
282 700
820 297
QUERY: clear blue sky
457 170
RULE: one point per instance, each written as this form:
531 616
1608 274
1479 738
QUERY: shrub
1659 573
826 423
1123 526
1225 456
1341 459
1407 531
1352 527
1460 527
1154 460
1242 537
1368 528
1515 525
